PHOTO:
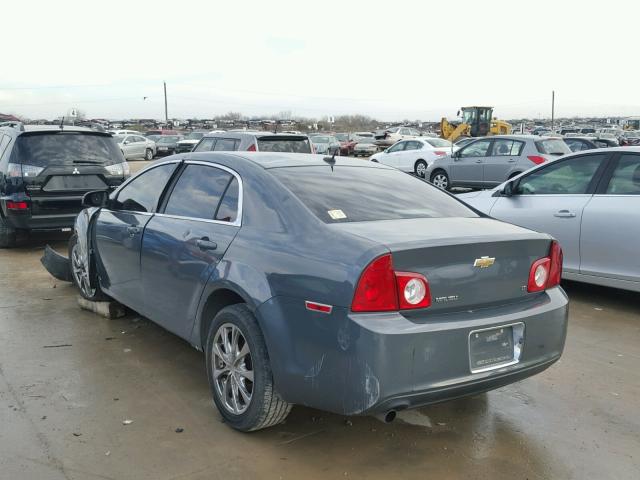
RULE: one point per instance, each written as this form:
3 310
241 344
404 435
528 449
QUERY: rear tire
148 155
440 179
7 235
420 169
87 283
240 379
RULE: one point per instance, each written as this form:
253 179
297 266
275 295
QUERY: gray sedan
590 202
308 280
489 161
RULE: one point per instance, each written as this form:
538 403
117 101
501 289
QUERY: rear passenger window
228 209
506 148
197 192
143 192
226 145
4 141
205 145
626 177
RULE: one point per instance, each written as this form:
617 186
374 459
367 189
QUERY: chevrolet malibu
304 285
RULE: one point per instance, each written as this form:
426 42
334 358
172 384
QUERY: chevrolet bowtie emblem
76 171
484 262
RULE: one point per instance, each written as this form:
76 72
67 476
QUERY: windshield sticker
336 214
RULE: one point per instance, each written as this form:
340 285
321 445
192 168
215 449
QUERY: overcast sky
391 60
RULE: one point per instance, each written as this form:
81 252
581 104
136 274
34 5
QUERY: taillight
381 289
413 290
440 153
252 148
537 159
17 205
546 272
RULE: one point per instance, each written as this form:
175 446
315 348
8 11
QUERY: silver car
136 146
489 161
590 202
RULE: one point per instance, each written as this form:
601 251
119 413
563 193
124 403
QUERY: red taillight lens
381 289
539 275
537 159
17 205
252 148
376 289
546 272
555 271
413 290
440 153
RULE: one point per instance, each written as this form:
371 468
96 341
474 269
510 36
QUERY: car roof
51 128
268 160
256 134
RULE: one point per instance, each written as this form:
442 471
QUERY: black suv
45 171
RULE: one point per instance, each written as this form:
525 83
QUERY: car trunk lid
469 263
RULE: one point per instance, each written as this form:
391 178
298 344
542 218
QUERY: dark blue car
338 284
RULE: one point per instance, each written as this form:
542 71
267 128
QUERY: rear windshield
67 148
553 146
279 144
362 194
438 142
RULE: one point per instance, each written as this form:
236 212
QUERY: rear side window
552 146
197 192
205 145
4 141
143 192
66 148
503 147
228 208
283 144
226 145
362 194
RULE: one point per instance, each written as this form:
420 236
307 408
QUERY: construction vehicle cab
476 122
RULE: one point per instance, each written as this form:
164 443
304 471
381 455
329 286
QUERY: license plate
495 347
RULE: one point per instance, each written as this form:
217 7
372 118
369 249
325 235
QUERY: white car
136 146
392 135
414 156
123 132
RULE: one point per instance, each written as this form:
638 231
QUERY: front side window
197 192
568 177
143 192
626 177
398 147
205 145
476 149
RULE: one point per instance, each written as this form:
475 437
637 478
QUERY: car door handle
133 230
511 160
478 161
206 244
564 214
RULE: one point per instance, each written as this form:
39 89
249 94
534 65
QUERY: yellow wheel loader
476 122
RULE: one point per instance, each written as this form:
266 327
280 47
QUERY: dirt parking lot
69 379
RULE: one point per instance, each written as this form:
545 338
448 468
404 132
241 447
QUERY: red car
347 143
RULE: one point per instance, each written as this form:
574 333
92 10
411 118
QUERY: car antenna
62 124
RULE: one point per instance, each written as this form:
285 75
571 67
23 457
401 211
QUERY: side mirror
508 190
456 154
96 198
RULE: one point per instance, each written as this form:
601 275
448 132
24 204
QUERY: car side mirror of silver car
95 198
508 190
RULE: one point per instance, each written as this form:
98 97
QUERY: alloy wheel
232 368
81 272
441 181
421 169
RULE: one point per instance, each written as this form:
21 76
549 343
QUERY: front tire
148 155
420 168
239 372
84 278
7 235
440 179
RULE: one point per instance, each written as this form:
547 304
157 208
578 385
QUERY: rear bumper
27 221
369 363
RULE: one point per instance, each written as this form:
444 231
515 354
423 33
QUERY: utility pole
553 107
166 114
